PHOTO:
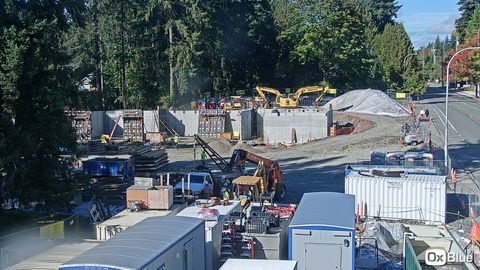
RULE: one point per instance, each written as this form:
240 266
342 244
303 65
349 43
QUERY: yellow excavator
290 100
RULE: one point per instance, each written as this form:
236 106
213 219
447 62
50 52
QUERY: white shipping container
407 196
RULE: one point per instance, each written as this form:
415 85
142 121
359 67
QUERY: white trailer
174 243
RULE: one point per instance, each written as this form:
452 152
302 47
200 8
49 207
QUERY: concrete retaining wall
98 119
185 123
246 122
275 126
151 121
109 121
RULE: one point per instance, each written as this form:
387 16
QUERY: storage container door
188 256
329 256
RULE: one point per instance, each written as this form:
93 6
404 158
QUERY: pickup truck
201 185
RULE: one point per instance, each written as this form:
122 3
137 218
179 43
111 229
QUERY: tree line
144 53
466 66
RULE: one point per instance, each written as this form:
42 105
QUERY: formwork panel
211 123
133 125
81 123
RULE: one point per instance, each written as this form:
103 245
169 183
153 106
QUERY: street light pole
446 100
405 59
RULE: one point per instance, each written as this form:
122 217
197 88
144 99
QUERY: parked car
201 185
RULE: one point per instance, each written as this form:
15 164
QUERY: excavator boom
293 100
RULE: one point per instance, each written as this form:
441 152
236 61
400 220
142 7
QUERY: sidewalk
468 93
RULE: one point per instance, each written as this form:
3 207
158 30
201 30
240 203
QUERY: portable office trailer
399 196
213 230
155 243
246 264
322 232
127 219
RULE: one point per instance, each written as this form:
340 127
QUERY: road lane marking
445 117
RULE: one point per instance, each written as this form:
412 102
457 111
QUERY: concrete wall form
151 121
98 120
109 121
185 123
275 126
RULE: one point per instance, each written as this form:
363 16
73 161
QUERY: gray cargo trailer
155 243
322 232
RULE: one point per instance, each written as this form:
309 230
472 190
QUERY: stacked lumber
150 162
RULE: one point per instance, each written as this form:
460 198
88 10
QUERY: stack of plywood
150 162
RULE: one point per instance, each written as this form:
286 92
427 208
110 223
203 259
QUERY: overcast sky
425 19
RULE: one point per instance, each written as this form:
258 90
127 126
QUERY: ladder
247 248
221 163
228 246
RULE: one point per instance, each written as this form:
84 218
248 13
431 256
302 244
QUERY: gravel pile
368 101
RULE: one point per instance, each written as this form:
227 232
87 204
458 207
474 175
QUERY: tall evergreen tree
382 12
392 46
473 26
467 8
34 81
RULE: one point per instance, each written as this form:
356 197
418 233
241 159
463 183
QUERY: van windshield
197 179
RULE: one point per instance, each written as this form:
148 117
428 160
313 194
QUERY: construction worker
203 157
225 194
175 140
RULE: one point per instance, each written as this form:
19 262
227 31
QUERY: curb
467 94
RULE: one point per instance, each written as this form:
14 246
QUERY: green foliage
325 40
467 9
392 47
34 83
473 25
381 12
414 83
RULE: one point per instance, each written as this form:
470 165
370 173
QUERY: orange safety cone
475 233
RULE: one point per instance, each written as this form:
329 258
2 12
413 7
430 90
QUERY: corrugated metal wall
399 198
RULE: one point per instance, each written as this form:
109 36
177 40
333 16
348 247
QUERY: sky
425 19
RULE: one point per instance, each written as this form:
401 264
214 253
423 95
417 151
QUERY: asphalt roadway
463 133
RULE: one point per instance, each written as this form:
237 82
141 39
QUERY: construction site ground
317 165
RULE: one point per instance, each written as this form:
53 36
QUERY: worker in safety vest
175 140
203 157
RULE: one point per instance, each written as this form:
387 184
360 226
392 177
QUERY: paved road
463 130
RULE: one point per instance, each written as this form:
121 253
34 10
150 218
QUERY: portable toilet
322 232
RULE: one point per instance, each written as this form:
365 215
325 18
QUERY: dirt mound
360 123
248 148
220 146
368 101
